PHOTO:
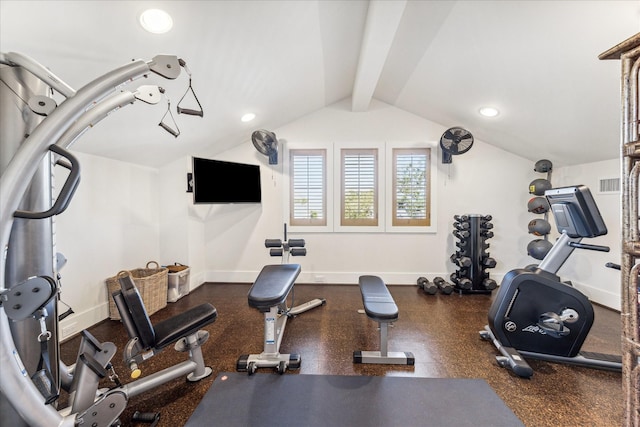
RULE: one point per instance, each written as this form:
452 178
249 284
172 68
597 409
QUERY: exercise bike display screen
575 211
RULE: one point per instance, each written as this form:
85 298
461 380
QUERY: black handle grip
168 129
67 191
190 112
590 247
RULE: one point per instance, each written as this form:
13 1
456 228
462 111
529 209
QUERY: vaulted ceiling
536 61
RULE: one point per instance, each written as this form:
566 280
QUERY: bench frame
380 306
275 317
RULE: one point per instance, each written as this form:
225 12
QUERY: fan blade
448 135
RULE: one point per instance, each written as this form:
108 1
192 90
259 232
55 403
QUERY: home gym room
377 340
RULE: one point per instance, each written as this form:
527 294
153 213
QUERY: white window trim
285 148
433 175
337 190
385 187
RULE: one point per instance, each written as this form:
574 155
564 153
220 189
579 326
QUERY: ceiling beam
383 19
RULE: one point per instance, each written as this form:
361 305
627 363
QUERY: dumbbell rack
471 258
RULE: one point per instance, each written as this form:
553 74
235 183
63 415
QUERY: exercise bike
537 316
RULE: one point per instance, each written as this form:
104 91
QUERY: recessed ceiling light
248 117
156 21
489 111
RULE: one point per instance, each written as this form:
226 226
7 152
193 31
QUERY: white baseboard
76 322
605 298
332 277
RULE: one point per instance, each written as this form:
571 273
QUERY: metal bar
41 72
629 53
16 386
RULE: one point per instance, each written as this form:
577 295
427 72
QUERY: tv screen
215 181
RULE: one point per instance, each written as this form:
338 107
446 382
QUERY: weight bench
269 295
146 339
380 306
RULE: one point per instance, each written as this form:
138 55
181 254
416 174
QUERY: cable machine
35 134
629 54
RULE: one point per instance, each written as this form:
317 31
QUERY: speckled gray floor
440 330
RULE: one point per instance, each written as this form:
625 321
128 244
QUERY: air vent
609 185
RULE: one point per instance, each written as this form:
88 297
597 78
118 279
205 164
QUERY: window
411 183
359 195
387 187
308 196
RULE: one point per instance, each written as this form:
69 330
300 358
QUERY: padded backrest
137 311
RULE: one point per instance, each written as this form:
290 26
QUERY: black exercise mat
237 399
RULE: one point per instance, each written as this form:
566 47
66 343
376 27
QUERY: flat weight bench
269 294
380 306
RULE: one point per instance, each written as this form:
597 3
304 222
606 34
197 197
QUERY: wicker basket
152 285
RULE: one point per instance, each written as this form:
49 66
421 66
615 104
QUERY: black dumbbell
444 286
461 225
489 262
462 235
464 283
427 286
461 218
486 225
463 261
489 284
486 234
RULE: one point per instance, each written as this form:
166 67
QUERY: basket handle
153 262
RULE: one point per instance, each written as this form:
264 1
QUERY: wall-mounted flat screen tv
215 181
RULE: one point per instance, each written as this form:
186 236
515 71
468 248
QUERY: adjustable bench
269 295
146 340
380 306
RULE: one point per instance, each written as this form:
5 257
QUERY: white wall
111 224
485 180
586 268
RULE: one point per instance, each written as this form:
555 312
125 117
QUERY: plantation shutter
359 197
308 187
411 182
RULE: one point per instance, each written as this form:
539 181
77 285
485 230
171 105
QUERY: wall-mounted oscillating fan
455 141
266 143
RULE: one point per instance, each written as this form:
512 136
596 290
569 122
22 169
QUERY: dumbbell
427 286
489 284
486 234
462 235
463 283
487 218
463 261
489 262
444 286
461 225
486 225
461 218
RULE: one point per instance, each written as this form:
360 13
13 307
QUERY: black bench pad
184 324
272 286
378 302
